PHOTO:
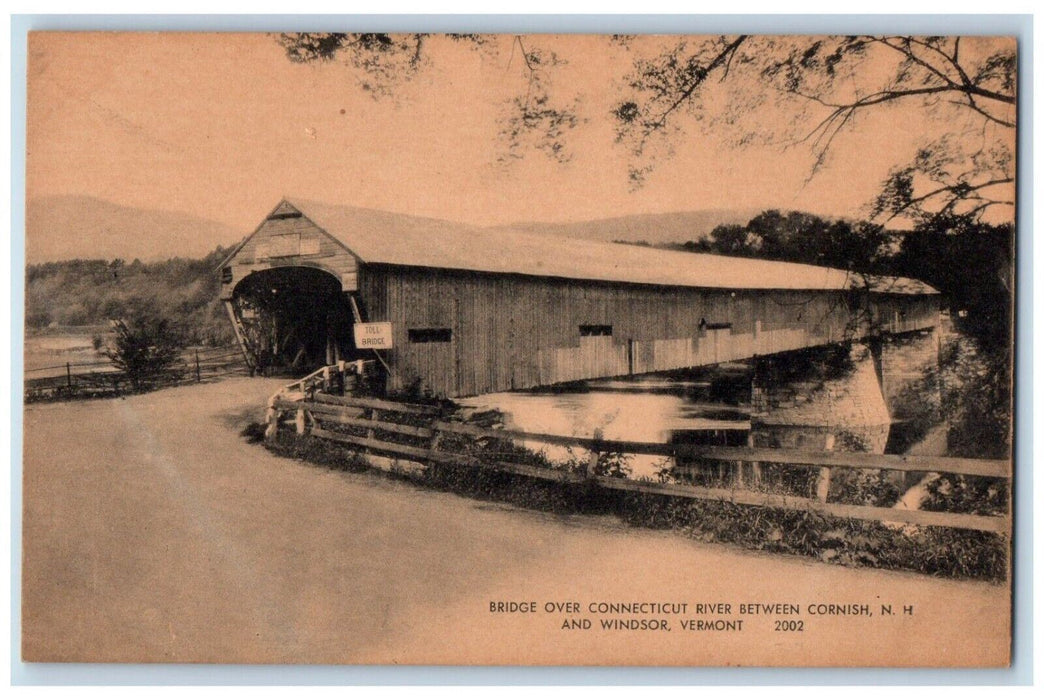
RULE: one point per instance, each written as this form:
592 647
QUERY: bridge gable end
288 238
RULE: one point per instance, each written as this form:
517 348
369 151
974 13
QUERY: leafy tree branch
789 91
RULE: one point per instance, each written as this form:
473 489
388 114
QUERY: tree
382 63
730 239
381 60
804 238
826 84
813 89
145 348
970 263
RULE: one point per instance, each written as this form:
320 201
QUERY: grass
935 551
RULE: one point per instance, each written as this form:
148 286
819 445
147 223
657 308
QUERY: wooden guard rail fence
317 414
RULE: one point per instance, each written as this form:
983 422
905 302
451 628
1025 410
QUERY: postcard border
1021 671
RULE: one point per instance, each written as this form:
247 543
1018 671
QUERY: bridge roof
380 237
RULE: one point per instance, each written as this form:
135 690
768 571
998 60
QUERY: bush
146 349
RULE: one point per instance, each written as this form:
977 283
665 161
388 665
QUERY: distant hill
655 229
69 226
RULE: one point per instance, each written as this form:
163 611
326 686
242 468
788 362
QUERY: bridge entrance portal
292 320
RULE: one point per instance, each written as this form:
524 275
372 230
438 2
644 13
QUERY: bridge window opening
706 325
285 215
430 335
293 320
588 331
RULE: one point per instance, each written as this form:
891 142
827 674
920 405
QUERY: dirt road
153 532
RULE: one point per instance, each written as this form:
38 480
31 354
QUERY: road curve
153 532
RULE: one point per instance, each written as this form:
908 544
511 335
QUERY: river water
47 355
708 408
646 409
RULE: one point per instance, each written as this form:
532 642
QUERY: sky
223 125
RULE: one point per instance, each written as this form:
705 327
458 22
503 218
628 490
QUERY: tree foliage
95 292
810 90
801 237
535 120
971 263
785 90
381 61
145 347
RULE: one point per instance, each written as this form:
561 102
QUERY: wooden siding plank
515 332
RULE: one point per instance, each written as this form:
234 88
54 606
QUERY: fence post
823 484
272 418
299 421
433 446
755 467
592 461
823 480
197 368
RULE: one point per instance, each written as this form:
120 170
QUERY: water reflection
639 410
812 411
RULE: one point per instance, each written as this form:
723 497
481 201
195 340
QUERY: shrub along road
153 532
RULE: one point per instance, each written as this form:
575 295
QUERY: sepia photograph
675 350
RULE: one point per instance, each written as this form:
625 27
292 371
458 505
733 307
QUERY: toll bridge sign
373 336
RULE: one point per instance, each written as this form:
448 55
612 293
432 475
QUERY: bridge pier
908 366
820 399
863 397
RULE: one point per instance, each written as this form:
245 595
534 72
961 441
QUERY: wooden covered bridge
460 311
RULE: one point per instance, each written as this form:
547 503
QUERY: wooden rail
362 413
377 404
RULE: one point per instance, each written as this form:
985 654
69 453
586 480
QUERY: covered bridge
474 310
